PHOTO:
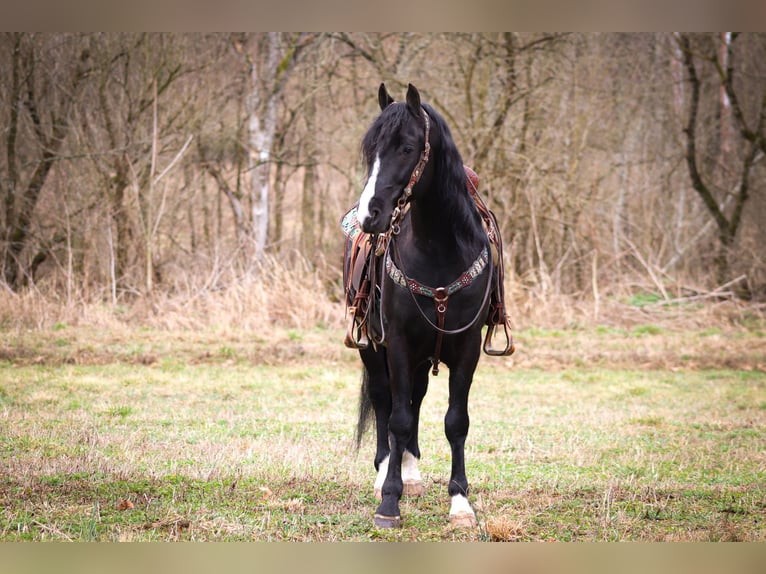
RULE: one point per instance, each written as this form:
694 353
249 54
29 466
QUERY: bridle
401 204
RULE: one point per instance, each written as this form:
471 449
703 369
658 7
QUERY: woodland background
187 178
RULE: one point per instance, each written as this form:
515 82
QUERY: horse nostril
374 212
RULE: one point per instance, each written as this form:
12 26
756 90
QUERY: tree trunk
309 192
751 142
122 224
262 125
20 200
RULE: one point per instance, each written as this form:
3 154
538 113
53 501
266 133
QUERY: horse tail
365 408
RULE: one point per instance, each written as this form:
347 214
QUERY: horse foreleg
456 423
379 395
400 426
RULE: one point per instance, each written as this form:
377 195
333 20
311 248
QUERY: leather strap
440 301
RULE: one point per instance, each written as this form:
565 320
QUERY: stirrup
509 346
356 331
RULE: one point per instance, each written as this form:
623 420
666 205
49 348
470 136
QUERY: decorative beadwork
349 224
419 289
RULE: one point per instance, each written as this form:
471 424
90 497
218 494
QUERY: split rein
440 295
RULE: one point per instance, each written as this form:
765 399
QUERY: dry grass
288 294
263 324
296 294
505 528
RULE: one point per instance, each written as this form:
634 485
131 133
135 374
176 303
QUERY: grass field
586 434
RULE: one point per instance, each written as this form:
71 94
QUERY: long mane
452 193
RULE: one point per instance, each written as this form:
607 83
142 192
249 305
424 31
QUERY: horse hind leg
412 481
411 477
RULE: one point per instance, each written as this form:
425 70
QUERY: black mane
449 176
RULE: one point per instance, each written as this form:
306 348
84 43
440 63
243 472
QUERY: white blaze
363 212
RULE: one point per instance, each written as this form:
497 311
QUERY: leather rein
440 295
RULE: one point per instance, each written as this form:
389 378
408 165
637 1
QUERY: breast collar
419 288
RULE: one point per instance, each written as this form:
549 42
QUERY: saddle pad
349 224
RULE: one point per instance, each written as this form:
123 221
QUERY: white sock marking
410 471
382 472
460 505
363 212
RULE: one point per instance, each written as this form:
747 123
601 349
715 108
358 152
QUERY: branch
13 175
648 268
691 144
509 60
744 188
175 159
234 198
164 191
346 39
754 137
718 292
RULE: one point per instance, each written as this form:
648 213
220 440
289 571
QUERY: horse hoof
415 488
388 521
463 520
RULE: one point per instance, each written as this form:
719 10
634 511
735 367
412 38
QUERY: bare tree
751 142
575 137
42 95
132 124
270 59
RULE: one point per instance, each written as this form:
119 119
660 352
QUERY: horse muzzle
374 219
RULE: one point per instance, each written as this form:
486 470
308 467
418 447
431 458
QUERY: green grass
643 299
254 441
647 330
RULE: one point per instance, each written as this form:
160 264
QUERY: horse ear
384 99
413 101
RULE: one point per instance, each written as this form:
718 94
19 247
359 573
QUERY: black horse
434 271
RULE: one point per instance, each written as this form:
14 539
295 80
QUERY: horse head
394 149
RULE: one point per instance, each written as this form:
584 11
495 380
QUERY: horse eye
407 149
